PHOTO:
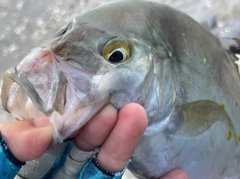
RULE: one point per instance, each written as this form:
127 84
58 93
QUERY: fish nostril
46 57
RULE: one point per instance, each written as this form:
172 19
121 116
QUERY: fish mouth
24 91
43 84
11 76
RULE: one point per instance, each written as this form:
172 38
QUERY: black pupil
116 56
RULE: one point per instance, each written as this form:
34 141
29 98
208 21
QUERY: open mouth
32 84
16 89
43 84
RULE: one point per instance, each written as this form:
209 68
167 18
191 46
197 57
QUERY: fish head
103 56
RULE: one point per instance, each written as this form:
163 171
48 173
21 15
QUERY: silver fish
143 52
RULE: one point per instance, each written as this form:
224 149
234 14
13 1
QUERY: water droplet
22 26
205 61
19 5
220 24
7 27
227 29
221 32
2 35
48 8
43 31
170 54
17 30
40 22
56 10
12 48
208 4
25 19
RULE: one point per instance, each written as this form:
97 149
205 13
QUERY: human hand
29 139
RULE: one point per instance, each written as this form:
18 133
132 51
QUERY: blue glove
92 170
9 165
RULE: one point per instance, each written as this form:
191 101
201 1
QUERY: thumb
27 139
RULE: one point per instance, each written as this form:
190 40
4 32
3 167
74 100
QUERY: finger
176 174
94 133
124 138
27 139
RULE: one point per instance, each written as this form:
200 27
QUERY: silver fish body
178 71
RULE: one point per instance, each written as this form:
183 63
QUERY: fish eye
116 51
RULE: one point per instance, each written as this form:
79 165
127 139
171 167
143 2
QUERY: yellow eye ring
116 51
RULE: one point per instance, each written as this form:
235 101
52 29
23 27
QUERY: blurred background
27 23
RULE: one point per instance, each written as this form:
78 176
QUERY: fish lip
30 88
11 76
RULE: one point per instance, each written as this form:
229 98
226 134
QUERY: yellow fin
197 117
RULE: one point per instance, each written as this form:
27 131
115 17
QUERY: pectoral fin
197 117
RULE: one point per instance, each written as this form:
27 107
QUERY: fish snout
33 84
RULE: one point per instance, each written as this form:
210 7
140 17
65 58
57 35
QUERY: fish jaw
24 84
43 84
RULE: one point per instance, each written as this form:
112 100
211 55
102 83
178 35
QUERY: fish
147 53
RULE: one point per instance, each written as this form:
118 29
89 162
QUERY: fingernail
41 122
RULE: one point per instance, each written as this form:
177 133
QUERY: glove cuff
9 154
93 170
